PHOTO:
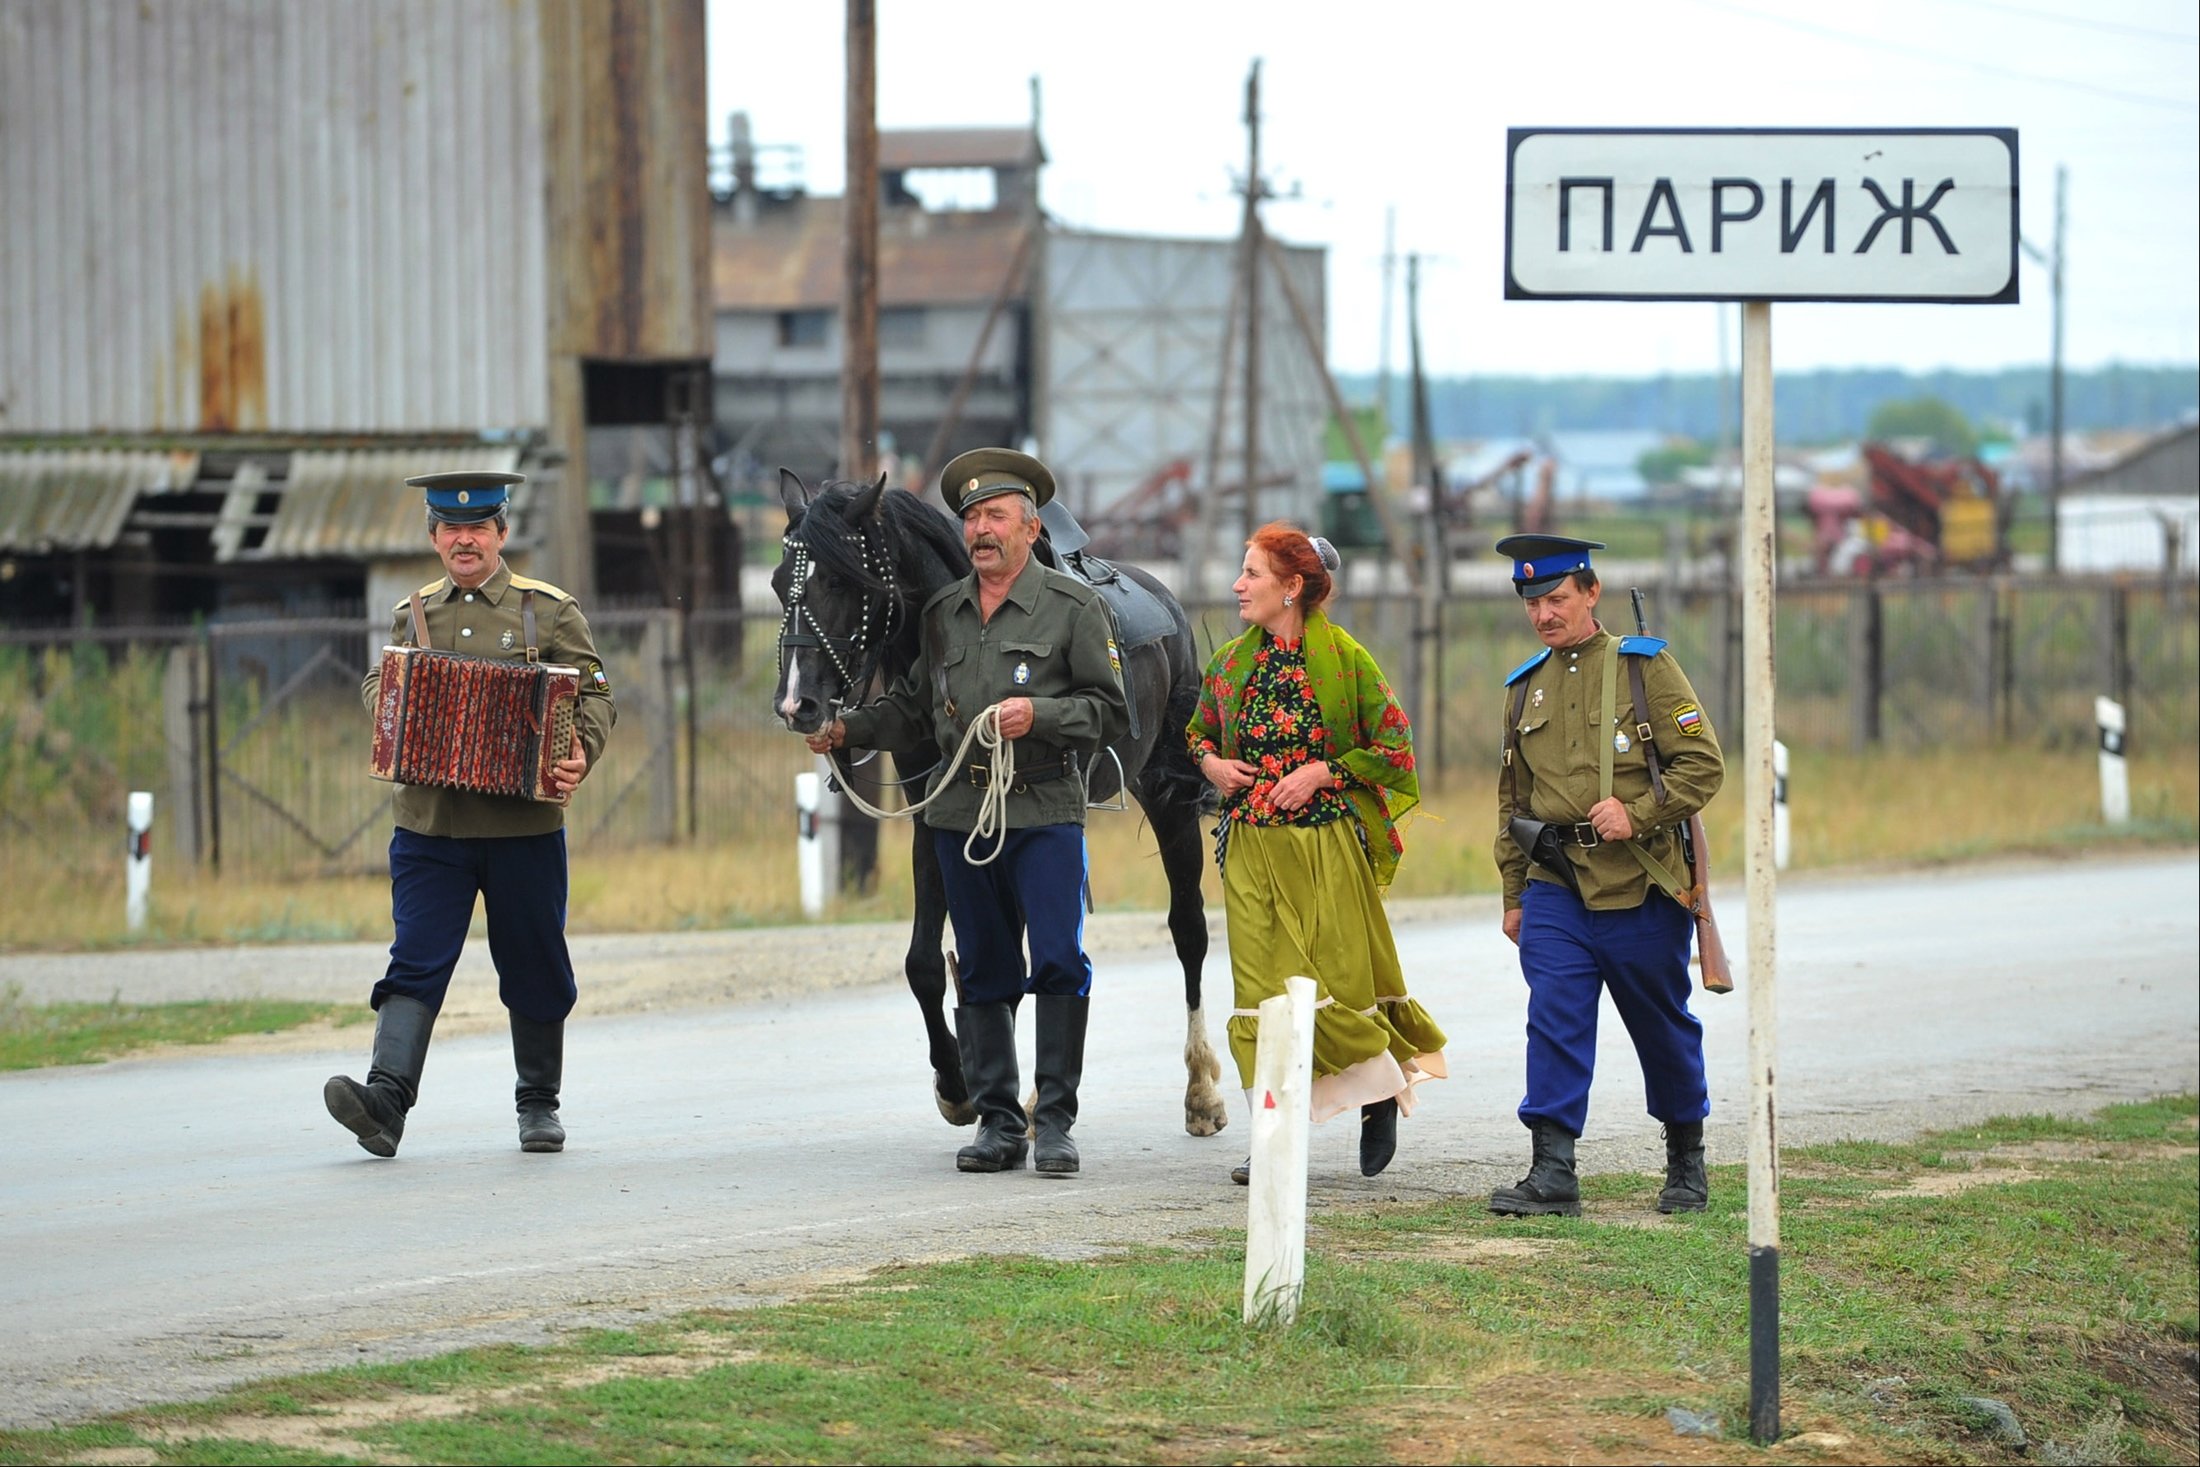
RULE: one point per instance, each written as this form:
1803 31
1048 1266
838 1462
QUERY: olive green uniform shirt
1050 640
486 622
1555 772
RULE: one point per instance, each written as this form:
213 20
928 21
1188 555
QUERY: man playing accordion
453 844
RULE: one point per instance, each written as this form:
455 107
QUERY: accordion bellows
483 724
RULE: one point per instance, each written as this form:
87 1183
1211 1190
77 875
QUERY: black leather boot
1686 1187
538 1054
1060 1067
987 1034
1378 1135
375 1111
1550 1187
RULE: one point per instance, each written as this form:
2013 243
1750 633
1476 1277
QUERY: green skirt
1302 902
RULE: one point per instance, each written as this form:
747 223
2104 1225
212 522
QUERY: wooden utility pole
859 252
1249 263
1390 271
2055 385
859 345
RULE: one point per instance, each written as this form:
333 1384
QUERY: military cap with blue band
466 496
982 473
1542 561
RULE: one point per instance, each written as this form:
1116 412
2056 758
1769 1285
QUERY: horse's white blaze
794 690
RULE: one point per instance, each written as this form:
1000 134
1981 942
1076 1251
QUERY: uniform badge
1115 658
1535 699
596 678
1022 673
507 640
1688 718
1621 743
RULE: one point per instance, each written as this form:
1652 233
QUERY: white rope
992 819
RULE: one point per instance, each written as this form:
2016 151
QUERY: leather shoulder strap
1512 745
1642 728
527 623
420 622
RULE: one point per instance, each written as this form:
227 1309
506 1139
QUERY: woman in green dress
1313 757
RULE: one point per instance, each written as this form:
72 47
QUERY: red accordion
484 724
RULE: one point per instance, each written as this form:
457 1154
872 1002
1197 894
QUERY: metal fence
253 739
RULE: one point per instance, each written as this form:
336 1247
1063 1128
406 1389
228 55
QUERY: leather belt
982 774
1585 835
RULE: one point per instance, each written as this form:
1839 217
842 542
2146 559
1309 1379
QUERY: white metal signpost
1757 216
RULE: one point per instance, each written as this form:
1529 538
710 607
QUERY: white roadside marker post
138 877
2115 777
1779 806
817 841
1275 1229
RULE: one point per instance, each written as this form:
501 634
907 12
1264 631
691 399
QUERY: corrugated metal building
318 243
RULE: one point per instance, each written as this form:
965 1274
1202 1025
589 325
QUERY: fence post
182 717
213 727
659 658
1867 664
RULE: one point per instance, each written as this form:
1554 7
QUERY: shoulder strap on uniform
1641 646
527 622
529 583
1525 668
1643 731
420 623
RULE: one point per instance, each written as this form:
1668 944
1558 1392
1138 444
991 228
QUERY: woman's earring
1287 601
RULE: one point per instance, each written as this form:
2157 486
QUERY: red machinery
1912 518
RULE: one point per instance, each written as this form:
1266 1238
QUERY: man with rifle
1608 759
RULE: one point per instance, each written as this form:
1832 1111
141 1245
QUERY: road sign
1819 214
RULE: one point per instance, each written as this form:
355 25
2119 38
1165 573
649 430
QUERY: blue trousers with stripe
1570 954
521 882
1034 890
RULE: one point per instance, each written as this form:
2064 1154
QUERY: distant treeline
1810 407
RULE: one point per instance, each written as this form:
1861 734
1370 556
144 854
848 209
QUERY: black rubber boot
987 1034
1549 1188
375 1111
538 1054
1378 1135
1686 1187
1060 1067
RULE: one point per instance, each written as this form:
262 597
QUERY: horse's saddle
1141 618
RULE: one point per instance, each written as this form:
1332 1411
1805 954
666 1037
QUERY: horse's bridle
860 651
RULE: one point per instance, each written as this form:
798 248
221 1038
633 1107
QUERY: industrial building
261 262
998 324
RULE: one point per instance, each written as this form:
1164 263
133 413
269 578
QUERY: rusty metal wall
308 217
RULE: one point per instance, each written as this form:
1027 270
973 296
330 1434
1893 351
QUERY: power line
1873 43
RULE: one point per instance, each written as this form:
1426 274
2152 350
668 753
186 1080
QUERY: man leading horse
1033 650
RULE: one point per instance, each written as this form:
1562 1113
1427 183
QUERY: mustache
986 542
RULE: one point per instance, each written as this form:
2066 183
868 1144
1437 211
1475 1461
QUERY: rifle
1718 974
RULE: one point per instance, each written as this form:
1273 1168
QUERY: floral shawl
1364 731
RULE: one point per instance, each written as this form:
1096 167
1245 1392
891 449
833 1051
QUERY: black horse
859 565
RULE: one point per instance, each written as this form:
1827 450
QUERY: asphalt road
173 1225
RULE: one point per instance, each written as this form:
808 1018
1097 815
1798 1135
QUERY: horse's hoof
1205 1120
954 1112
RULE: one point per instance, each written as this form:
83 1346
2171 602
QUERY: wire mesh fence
254 739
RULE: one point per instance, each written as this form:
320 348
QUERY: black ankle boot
375 1112
538 1054
1550 1187
1059 1070
1378 1135
987 1034
1686 1187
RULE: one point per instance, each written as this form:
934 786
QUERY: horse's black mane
836 546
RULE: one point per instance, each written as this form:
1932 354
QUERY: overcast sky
1378 106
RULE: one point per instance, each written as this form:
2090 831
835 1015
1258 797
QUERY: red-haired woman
1313 757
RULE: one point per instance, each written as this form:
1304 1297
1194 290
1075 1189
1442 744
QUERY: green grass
34 1035
2048 1263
